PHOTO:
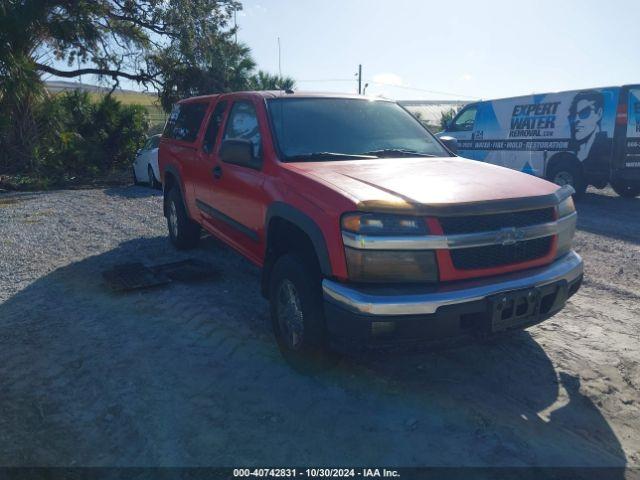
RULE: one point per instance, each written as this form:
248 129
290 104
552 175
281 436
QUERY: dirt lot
189 374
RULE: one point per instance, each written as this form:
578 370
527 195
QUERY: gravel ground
189 375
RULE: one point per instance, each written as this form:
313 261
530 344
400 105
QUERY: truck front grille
488 223
500 255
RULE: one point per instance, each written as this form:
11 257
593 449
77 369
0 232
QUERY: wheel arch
171 178
289 229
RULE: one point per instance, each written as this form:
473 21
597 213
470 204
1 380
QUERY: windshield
337 128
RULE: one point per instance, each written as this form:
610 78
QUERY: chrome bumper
380 300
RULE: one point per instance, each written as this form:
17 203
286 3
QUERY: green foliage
223 67
266 81
80 138
181 47
447 116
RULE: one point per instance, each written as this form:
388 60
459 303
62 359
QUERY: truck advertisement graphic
632 159
524 133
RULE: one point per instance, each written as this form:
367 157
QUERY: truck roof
556 92
285 94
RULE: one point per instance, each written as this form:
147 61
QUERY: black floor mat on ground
135 276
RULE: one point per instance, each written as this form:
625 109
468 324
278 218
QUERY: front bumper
377 314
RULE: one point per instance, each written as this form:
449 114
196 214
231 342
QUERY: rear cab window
185 120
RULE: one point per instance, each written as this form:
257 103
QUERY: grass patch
114 178
149 101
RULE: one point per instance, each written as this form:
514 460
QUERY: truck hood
430 185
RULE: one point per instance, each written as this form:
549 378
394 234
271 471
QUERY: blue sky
416 49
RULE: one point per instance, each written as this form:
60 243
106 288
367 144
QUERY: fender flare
305 223
173 171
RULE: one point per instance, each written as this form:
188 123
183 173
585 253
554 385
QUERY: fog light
382 328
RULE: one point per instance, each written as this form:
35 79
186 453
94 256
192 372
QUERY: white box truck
580 138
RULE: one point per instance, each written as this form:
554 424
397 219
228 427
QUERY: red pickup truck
369 230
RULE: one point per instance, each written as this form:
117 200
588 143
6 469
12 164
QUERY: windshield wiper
327 156
385 152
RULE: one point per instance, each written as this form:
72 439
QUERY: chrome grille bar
504 236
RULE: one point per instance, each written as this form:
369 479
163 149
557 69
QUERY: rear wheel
153 183
626 190
184 233
297 314
135 177
569 173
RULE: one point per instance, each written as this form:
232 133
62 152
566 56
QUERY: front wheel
626 190
297 314
568 173
184 233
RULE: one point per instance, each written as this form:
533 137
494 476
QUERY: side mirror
447 124
239 152
451 144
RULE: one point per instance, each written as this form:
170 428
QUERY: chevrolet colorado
369 231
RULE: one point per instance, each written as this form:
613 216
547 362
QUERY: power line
425 90
404 87
328 80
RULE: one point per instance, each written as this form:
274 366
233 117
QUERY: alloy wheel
564 178
173 219
290 316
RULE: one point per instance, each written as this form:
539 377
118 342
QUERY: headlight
383 224
566 207
368 265
568 230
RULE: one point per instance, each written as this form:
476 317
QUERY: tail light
621 114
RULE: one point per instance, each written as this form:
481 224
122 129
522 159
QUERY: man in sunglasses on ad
590 144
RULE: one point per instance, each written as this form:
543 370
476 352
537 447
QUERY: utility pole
235 23
360 79
279 62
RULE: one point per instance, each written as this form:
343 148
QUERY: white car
145 166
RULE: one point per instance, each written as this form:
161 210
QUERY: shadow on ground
133 191
189 375
611 216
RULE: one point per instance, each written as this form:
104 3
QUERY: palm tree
267 81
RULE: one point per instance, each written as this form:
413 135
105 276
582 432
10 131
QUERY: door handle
217 171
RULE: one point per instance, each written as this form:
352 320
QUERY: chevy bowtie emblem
509 236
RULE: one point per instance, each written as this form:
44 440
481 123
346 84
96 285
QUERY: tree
266 81
180 48
211 65
446 117
110 38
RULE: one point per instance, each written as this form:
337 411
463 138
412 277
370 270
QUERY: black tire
135 178
184 233
626 190
569 173
311 353
153 183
